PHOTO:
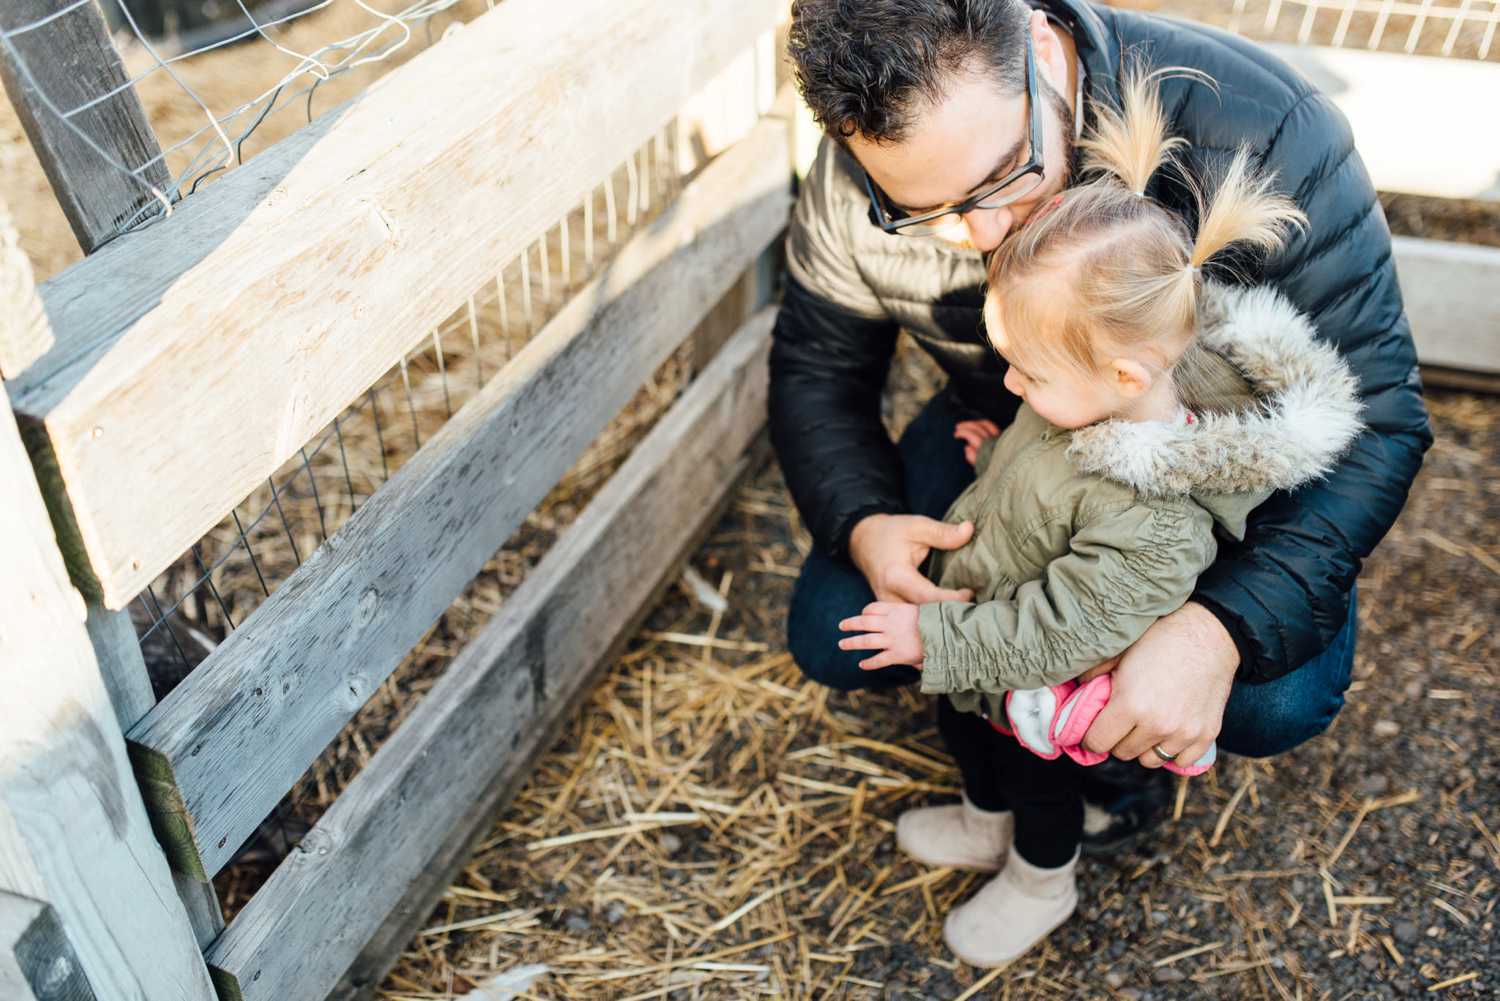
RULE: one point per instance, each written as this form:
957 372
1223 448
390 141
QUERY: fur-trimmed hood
1307 415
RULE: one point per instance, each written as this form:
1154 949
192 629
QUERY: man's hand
1169 690
887 626
888 548
973 434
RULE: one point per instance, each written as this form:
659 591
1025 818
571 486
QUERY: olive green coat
1083 539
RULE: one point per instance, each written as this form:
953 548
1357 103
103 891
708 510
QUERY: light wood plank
37 962
1416 119
56 69
280 293
456 756
1452 293
73 829
219 752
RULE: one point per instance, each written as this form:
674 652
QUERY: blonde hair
1134 270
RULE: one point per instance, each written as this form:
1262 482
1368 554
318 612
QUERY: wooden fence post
59 66
73 829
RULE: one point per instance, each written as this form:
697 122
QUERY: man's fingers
1139 741
941 535
908 585
878 661
1098 669
914 589
1108 729
1191 754
866 641
990 427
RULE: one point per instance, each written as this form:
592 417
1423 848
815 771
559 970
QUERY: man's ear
1131 378
1051 60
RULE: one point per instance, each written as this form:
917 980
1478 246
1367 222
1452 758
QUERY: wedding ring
1163 754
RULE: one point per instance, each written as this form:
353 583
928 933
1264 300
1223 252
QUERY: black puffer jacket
1283 593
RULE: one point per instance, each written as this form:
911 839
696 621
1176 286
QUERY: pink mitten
1051 722
1076 714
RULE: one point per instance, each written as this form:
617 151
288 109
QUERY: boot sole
967 866
990 964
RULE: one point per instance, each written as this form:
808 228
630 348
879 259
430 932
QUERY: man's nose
987 227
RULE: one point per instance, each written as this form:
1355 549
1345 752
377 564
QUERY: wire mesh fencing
222 79
209 590
190 609
1460 29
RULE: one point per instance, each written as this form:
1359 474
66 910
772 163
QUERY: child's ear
1131 378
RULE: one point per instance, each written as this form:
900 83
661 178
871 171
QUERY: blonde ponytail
1244 208
1130 143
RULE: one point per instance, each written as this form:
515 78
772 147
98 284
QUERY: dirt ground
711 826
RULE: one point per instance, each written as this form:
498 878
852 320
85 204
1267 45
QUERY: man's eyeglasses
1016 185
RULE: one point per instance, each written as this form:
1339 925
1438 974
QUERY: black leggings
1000 774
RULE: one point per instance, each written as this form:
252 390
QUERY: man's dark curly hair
864 66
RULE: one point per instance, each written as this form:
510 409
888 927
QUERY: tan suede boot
956 835
1012 912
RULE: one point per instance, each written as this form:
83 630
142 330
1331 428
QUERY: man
928 165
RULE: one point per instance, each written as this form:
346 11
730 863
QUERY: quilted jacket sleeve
1122 573
1283 592
831 350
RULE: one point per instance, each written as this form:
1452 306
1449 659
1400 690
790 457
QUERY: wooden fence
260 309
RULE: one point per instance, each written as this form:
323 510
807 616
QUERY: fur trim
1308 416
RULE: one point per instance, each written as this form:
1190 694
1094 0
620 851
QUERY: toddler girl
1160 408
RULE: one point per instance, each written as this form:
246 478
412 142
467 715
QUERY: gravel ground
1362 865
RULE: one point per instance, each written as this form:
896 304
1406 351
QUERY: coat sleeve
1283 592
830 354
1123 571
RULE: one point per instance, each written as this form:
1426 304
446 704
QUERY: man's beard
1067 125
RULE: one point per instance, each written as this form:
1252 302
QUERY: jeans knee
814 648
812 638
819 659
1278 725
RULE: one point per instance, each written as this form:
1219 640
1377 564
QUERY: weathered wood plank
453 848
1376 90
455 757
73 829
280 293
51 71
219 752
1451 299
37 962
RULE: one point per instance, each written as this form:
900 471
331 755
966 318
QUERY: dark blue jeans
1259 721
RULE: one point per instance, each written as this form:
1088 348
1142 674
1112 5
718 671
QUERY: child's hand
973 434
887 626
